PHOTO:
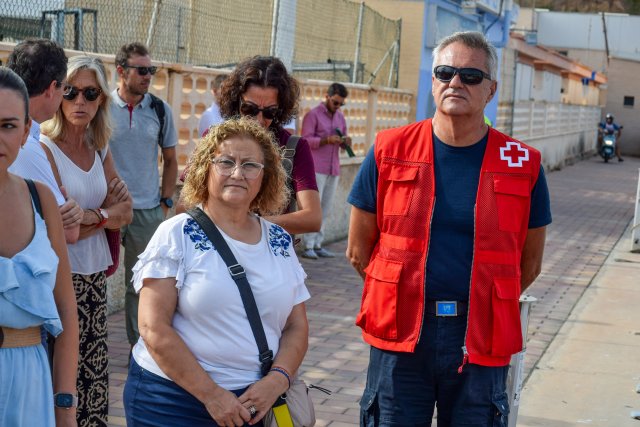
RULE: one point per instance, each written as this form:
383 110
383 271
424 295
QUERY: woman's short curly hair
274 193
261 71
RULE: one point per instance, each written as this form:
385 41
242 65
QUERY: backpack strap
158 106
34 196
289 152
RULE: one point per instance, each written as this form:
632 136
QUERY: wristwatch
168 202
65 400
105 216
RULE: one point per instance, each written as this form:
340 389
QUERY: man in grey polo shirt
137 136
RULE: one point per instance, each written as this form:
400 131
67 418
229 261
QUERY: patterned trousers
93 376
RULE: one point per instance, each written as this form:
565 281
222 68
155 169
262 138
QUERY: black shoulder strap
158 106
240 277
289 153
34 196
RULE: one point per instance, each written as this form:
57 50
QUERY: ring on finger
252 410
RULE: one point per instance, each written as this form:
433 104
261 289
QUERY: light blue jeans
327 185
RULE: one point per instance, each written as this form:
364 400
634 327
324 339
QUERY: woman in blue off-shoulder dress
35 284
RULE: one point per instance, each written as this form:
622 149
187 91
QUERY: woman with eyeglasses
260 87
197 362
35 283
75 140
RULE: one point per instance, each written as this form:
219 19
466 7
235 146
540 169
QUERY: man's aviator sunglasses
143 71
90 93
468 76
249 109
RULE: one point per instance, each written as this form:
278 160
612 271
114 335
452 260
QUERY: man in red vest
447 229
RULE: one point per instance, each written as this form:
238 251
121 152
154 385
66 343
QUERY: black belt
447 308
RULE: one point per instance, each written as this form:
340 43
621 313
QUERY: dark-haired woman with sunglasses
76 143
260 87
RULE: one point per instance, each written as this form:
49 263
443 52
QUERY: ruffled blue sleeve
26 287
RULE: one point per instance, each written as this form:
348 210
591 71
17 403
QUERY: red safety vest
391 314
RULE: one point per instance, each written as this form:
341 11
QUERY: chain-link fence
335 39
333 35
203 32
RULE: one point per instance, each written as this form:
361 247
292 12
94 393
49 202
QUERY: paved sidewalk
592 204
589 373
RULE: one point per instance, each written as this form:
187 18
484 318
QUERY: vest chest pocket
513 196
400 180
378 314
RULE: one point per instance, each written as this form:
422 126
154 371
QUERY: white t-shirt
211 116
291 125
210 316
32 163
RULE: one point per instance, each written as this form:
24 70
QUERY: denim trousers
150 400
327 186
403 389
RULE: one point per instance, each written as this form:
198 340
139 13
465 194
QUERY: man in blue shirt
404 386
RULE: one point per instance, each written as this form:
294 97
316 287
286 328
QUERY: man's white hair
473 40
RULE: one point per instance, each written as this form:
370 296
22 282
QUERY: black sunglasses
143 71
468 76
250 109
89 93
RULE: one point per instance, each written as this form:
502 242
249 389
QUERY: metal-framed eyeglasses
227 167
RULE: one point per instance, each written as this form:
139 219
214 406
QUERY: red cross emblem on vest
514 154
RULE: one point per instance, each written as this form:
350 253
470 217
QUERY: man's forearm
532 253
169 177
363 235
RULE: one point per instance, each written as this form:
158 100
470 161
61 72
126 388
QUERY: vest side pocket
400 184
505 302
378 314
512 199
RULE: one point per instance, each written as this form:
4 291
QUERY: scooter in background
608 148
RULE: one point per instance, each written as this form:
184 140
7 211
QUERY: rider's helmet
609 117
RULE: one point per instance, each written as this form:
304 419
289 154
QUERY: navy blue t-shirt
457 174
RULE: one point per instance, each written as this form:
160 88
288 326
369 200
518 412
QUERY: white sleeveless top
89 189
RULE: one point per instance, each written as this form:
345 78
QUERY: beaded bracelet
283 372
96 213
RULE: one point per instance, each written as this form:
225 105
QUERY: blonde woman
76 141
196 362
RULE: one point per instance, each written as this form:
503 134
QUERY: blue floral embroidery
197 235
279 241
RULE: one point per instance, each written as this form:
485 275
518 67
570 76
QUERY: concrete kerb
589 374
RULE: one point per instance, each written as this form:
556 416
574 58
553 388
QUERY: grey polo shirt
134 147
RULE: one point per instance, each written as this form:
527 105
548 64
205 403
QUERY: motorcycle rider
609 127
